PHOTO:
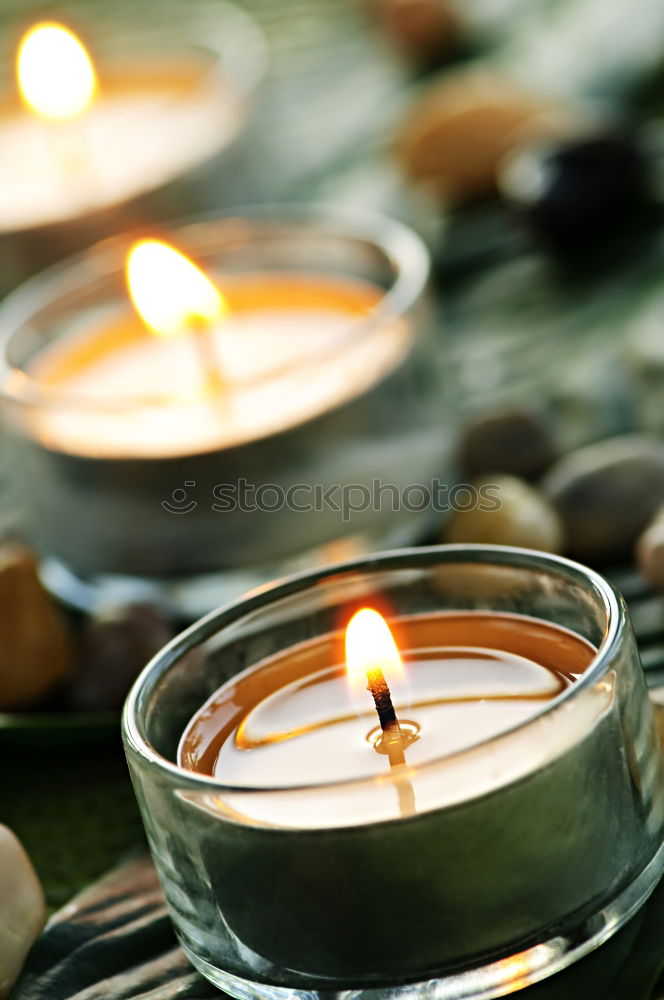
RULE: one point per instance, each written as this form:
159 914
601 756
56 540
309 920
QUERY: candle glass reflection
127 471
170 97
527 848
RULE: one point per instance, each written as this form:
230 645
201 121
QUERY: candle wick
380 693
202 335
393 738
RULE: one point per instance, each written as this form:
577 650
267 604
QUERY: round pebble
460 129
650 551
606 494
424 31
578 192
36 650
118 641
518 516
22 909
512 441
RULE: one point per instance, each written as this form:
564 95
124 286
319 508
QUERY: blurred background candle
104 128
299 361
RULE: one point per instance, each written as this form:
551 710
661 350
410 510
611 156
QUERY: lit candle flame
370 647
373 660
55 74
169 292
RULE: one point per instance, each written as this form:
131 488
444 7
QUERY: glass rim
422 556
400 245
239 47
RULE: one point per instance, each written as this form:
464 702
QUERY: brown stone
650 551
456 135
422 30
36 651
117 642
519 516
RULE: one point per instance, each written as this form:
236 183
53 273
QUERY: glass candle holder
173 93
340 390
526 850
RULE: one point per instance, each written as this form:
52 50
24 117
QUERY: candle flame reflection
169 292
370 646
55 74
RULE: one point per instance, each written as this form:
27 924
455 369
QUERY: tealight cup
341 388
173 94
527 850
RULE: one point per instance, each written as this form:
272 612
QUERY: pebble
424 31
606 494
650 551
521 517
117 642
36 650
460 129
22 909
576 193
643 357
513 441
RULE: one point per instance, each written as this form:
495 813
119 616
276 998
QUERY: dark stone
606 494
514 441
117 643
575 195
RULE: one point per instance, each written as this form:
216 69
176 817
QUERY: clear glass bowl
107 518
550 847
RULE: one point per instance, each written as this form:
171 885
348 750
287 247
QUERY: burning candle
299 717
193 369
522 827
85 142
288 358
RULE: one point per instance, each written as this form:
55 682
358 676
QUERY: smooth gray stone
606 493
516 441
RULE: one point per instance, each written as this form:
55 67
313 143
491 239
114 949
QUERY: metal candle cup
356 398
526 851
171 97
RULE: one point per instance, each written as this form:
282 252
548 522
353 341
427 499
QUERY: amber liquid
293 719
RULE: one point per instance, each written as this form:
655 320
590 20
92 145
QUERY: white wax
281 366
469 774
457 700
134 138
309 743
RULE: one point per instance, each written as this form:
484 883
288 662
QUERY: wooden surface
115 942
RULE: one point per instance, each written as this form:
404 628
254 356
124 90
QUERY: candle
152 394
295 719
81 142
289 723
521 829
298 365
